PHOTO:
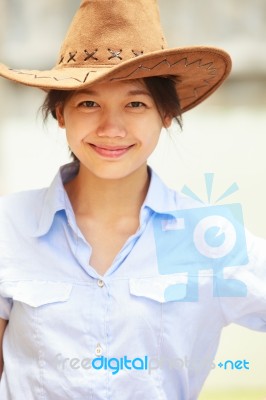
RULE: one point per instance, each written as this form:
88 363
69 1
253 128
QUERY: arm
3 324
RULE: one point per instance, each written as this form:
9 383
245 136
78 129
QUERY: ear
60 116
167 121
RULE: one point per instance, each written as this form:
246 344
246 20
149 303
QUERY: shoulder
163 199
20 209
15 202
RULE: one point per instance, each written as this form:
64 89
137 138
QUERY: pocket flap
162 288
36 293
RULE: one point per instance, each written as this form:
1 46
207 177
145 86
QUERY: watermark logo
207 237
234 365
145 363
102 363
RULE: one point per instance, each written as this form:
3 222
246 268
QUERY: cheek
72 137
74 129
153 134
150 142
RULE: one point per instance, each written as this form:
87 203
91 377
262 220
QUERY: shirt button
100 283
99 350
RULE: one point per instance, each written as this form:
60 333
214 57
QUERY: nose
111 125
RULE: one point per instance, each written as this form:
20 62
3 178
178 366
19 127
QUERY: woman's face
112 128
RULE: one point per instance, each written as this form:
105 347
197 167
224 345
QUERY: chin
111 173
114 170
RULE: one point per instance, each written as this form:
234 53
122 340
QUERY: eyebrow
139 91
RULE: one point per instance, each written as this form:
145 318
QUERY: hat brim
201 70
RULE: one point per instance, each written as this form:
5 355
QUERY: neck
108 199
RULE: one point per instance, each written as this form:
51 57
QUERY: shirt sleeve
5 301
5 307
249 307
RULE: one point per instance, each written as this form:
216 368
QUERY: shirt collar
55 198
159 199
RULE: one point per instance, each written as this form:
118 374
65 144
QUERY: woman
112 128
97 305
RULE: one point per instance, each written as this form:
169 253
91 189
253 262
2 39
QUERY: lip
110 151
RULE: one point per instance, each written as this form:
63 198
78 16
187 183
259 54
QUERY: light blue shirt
73 334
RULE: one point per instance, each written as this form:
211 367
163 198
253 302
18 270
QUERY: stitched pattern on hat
36 76
137 53
72 56
90 55
115 54
205 83
208 66
61 59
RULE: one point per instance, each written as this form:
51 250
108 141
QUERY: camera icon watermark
208 237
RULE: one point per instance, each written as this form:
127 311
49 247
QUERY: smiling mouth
111 151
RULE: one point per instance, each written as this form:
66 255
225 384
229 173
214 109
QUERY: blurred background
225 135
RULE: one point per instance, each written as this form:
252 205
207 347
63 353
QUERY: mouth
110 151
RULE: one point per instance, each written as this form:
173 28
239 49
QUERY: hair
162 89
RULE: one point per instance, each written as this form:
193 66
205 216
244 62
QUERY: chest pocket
163 288
40 311
36 293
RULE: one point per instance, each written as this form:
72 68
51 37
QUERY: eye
88 104
136 104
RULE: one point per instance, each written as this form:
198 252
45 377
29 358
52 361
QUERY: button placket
101 299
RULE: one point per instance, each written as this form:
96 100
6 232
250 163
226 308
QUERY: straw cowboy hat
123 39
